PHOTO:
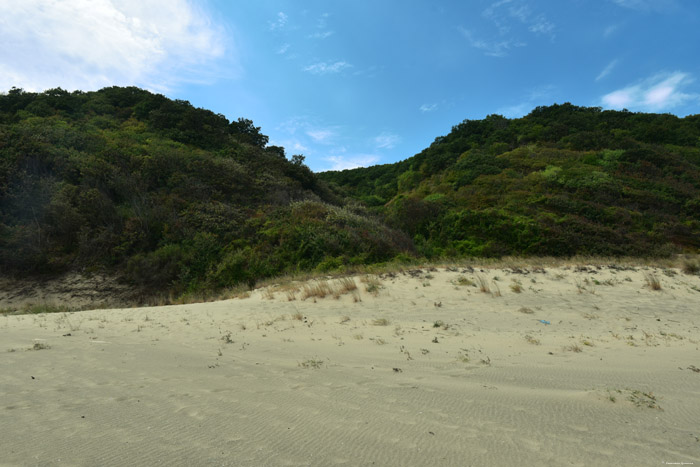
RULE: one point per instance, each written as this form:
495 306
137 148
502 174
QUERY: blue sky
362 82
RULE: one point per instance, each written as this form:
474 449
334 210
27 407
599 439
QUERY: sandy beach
451 366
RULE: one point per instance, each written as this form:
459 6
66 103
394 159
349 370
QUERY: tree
246 132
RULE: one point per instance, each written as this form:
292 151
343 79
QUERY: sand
564 366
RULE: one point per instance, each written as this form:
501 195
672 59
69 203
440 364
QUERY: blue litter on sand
544 321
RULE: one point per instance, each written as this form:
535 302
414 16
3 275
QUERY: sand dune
564 366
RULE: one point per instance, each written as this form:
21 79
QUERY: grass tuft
652 281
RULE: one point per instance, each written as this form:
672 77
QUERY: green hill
171 196
165 194
562 180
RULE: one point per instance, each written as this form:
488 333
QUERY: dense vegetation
173 196
166 194
563 180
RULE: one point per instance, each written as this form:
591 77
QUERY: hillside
172 197
562 180
164 194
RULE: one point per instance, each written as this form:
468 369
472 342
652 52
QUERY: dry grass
380 322
483 284
516 286
690 266
318 289
268 294
526 310
652 281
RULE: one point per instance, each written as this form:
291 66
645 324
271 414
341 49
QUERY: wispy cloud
610 30
323 21
606 71
322 28
321 135
324 68
428 107
541 95
512 19
283 49
321 35
279 22
345 162
648 5
386 140
503 11
83 44
491 48
657 93
291 146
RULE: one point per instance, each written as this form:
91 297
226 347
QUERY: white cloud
89 44
321 135
280 21
321 35
323 68
290 146
606 71
657 93
283 49
386 141
428 107
491 48
351 162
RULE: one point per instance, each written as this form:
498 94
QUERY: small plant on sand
691 266
497 292
380 322
643 399
298 316
372 284
312 363
39 346
532 340
516 286
526 310
483 284
652 281
461 280
574 348
226 338
344 319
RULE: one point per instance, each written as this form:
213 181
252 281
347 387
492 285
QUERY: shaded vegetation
560 181
166 194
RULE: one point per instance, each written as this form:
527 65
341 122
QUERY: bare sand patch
522 365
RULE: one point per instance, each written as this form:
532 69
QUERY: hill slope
165 193
171 196
563 180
